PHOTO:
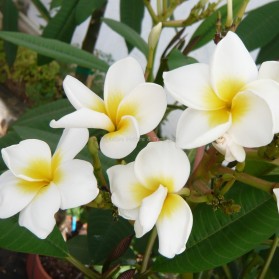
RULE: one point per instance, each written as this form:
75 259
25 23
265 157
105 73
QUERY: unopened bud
154 35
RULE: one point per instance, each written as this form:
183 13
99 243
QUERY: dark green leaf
85 8
217 239
40 117
260 26
269 51
10 22
55 4
55 49
207 29
131 13
176 59
128 34
78 247
61 26
42 9
105 232
16 238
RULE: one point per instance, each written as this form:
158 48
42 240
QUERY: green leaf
40 117
176 59
61 26
55 49
42 9
10 22
260 26
217 239
207 29
131 14
85 8
269 51
105 232
128 34
78 247
16 238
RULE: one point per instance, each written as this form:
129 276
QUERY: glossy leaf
10 22
176 59
207 29
269 51
61 26
40 116
85 8
42 9
78 247
260 26
131 13
217 239
105 232
55 49
16 238
128 34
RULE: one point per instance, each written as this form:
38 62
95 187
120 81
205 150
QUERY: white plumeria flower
131 107
147 191
38 184
226 96
231 150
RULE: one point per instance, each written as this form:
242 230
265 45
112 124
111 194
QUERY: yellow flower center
43 171
233 104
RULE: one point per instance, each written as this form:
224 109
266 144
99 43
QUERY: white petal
130 214
81 96
237 152
231 67
76 183
71 143
197 128
230 149
13 195
252 124
127 191
147 103
174 226
122 142
38 216
122 77
162 163
276 193
29 160
269 70
149 211
191 86
84 118
269 91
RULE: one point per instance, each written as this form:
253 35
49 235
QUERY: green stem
151 11
270 257
149 66
241 12
148 250
88 272
94 151
229 20
227 271
248 179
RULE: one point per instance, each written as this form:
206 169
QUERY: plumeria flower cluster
230 103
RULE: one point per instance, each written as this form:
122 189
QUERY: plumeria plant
202 204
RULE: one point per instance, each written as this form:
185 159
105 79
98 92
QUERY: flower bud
154 35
